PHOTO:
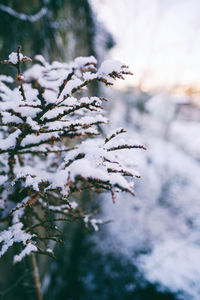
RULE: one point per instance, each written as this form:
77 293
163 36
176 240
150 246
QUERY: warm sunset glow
157 39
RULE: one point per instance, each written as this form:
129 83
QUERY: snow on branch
23 17
49 148
15 234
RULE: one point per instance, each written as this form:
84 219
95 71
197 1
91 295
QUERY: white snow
163 219
26 251
13 58
174 264
15 234
10 141
109 66
22 16
82 61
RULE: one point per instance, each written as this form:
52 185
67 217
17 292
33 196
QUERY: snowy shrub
50 148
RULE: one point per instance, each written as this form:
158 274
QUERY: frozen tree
50 148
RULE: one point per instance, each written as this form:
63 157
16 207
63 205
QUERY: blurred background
151 248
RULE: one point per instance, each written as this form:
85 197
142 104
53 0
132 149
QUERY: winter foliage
49 148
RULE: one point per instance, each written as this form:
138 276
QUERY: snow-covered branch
40 158
23 17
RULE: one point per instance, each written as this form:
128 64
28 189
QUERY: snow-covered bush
49 148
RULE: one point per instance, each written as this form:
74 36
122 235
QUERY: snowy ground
163 220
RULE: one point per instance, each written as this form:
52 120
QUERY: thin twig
36 277
19 76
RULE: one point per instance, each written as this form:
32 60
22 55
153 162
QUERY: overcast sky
159 39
